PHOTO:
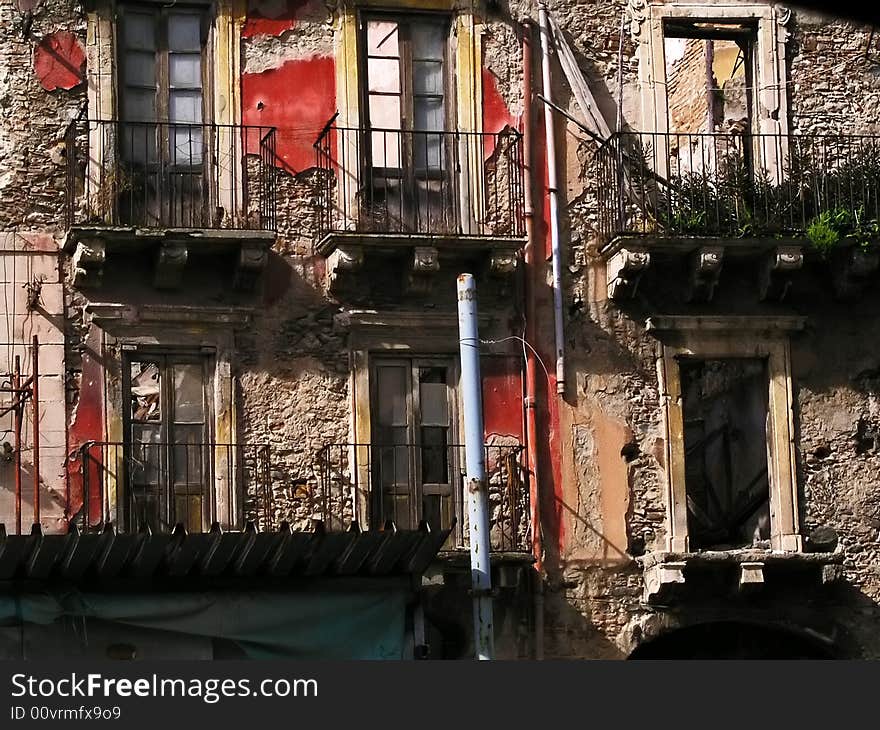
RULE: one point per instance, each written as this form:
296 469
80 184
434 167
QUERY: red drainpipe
531 363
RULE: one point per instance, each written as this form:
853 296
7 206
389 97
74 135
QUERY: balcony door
408 177
415 465
163 142
166 451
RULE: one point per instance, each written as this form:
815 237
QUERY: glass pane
382 38
140 105
391 389
187 145
428 77
185 70
385 111
190 457
140 68
385 149
428 40
428 114
184 32
428 151
139 31
189 393
434 453
138 143
397 508
185 106
384 74
434 404
145 455
146 385
393 461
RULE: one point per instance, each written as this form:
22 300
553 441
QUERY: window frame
722 338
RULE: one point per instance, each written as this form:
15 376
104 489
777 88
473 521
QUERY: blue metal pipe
475 455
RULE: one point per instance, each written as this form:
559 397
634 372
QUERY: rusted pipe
531 363
17 402
35 397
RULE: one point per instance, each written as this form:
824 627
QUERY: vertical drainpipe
475 458
531 363
553 190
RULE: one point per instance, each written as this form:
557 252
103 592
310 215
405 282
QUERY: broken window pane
382 38
189 393
725 409
146 385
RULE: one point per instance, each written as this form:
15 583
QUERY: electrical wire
525 344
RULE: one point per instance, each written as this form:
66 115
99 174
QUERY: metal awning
109 557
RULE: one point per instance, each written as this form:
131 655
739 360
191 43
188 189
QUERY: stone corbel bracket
344 260
424 265
623 272
252 260
503 263
705 270
777 271
171 260
751 576
662 581
88 263
852 270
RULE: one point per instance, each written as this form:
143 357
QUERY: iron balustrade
170 175
135 486
737 185
373 484
420 182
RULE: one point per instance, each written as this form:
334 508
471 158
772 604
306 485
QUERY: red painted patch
59 61
502 396
271 17
88 425
496 115
298 98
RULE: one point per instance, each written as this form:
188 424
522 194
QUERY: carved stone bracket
623 272
777 271
252 260
705 265
88 263
343 260
636 11
662 581
503 263
170 263
751 576
425 263
852 270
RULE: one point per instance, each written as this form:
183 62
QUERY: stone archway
733 640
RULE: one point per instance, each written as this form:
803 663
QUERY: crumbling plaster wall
612 408
42 56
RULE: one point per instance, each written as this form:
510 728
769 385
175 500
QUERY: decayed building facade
231 236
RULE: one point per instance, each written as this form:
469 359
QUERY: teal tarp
367 624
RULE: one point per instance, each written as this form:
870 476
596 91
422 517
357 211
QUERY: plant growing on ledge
826 230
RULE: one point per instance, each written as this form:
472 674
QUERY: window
725 408
167 439
726 390
406 111
162 77
414 460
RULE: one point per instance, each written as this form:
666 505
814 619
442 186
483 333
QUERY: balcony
716 196
423 196
409 484
179 189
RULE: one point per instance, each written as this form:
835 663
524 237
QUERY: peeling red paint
502 396
496 115
88 425
59 61
298 98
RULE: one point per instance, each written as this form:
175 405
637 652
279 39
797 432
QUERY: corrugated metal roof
109 556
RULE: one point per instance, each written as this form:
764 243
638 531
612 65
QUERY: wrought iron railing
135 486
736 184
170 175
406 484
421 183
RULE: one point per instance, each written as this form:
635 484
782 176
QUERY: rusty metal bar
35 402
16 381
